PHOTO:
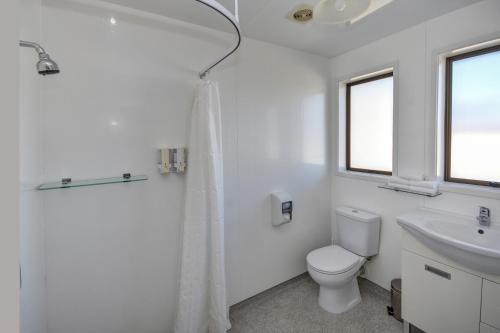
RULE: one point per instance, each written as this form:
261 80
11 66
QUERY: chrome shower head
45 65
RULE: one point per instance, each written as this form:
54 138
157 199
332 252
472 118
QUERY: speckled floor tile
293 308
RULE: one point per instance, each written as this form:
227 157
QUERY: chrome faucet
484 216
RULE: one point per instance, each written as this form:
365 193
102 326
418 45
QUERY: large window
472 118
369 124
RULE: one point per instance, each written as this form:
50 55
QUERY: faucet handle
484 216
484 211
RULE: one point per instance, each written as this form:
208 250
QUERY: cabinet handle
438 272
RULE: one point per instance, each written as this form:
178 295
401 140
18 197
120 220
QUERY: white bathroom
250 166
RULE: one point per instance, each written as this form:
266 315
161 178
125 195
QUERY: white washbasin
457 238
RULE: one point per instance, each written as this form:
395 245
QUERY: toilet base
341 299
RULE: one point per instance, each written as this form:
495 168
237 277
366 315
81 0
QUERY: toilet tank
359 231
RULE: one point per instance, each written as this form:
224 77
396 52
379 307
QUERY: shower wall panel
125 90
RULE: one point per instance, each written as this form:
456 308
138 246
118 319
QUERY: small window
472 118
369 124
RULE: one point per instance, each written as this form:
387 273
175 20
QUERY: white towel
397 184
425 184
412 184
425 190
398 181
414 178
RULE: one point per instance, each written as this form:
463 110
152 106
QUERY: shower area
106 258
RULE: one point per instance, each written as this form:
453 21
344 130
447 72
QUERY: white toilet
336 267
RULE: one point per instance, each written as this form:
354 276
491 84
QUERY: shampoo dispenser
172 160
281 208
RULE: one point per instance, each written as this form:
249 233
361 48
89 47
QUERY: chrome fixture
484 217
45 65
234 20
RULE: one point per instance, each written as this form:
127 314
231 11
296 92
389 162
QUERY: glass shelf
91 182
430 195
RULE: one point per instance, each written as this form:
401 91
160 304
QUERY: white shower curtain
202 299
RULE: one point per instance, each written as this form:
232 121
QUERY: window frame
448 116
348 123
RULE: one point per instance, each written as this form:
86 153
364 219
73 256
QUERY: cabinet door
438 298
490 313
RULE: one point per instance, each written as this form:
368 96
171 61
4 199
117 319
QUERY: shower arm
33 45
234 20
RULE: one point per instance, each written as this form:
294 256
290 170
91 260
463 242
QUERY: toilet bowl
335 270
335 267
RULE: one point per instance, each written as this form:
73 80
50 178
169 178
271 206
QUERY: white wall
277 142
126 90
9 148
33 292
414 52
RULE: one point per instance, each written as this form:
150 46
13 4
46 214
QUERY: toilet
335 267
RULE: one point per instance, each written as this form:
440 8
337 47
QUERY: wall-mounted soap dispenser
172 160
281 208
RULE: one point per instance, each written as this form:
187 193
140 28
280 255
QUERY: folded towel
413 178
401 182
426 190
425 184
399 186
394 181
412 185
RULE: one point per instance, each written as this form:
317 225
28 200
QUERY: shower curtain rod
233 19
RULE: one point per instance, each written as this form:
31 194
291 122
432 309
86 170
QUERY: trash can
396 299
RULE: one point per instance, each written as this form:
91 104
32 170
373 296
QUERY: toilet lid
332 259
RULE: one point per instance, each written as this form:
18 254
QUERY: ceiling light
339 11
301 14
112 21
374 6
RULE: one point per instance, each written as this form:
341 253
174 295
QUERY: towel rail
396 189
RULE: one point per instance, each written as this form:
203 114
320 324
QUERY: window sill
371 177
469 189
445 187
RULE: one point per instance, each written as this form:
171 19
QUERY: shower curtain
202 298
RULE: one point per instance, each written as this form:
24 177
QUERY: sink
457 238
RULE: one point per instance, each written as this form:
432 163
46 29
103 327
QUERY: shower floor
293 307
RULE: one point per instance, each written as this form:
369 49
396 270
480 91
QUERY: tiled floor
293 308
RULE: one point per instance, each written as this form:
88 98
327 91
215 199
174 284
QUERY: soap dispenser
281 208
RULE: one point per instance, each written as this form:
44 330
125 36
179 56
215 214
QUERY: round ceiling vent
302 14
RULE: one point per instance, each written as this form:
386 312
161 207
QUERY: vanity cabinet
488 329
438 298
442 296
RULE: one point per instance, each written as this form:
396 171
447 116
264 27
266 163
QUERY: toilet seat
332 260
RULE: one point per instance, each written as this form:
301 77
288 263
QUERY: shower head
45 65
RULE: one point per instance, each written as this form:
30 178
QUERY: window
369 124
472 118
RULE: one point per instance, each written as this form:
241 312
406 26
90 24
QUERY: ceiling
267 20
